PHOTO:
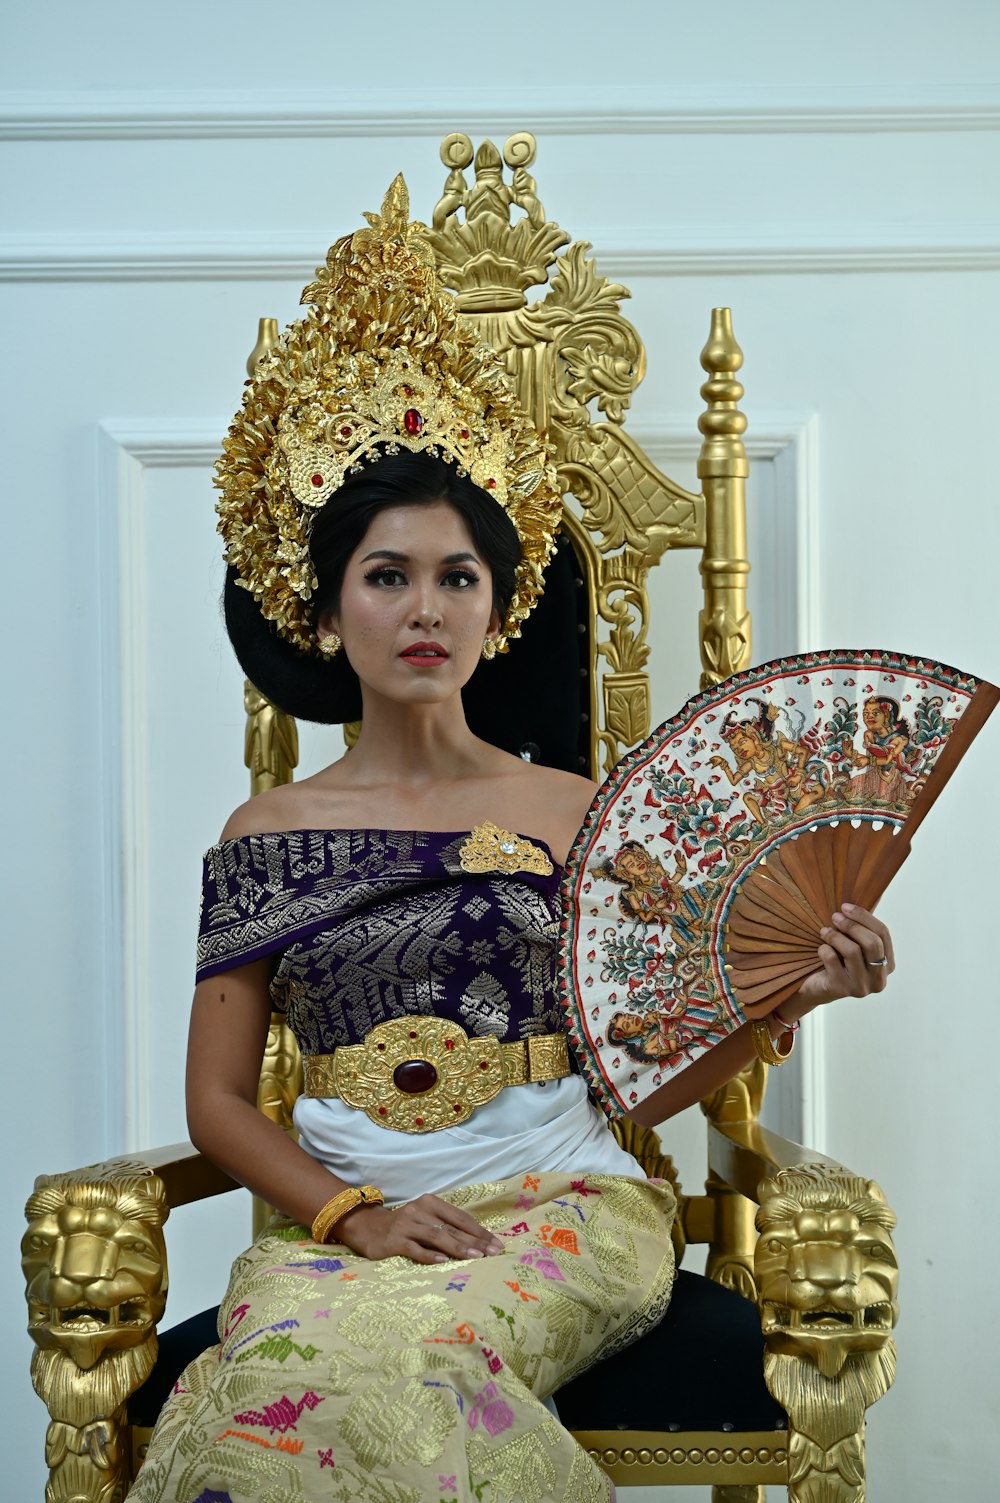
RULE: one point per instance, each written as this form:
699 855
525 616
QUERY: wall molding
113 114
79 256
127 449
125 709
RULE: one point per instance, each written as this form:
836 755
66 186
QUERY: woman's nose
426 612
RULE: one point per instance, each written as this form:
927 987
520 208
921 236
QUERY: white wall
168 176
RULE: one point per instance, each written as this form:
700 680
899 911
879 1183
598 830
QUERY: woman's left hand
857 958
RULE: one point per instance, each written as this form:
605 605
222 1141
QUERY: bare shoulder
569 791
277 809
554 805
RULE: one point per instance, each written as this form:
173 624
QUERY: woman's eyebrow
404 558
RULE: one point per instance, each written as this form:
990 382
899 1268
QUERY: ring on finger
884 961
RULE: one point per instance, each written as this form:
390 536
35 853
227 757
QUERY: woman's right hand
425 1230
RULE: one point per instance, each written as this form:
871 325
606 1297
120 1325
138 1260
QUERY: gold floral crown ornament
382 362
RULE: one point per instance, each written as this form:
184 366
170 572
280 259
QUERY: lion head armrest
827 1280
824 1275
95 1267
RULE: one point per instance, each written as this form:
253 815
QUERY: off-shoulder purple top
367 925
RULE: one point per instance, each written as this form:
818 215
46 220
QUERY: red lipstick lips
424 654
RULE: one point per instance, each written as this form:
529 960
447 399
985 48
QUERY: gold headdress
382 362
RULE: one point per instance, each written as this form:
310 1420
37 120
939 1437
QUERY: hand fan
716 851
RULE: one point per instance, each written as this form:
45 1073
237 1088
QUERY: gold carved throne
760 1373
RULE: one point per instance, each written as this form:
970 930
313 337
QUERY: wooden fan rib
777 865
799 867
774 999
960 738
878 864
768 944
778 940
785 890
741 922
749 996
841 850
879 869
744 980
757 900
749 960
819 847
761 913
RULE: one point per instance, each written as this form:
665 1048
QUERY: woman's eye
386 577
460 578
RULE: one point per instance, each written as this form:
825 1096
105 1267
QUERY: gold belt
418 1074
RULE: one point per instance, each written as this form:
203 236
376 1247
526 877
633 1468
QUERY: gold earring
330 645
489 648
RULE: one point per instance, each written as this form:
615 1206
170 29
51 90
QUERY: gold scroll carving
576 360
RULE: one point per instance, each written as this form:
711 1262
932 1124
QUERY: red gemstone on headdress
412 421
491 485
346 432
317 479
407 391
464 432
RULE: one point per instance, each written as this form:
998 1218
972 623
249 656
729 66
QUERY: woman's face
743 741
415 606
875 716
632 865
627 1025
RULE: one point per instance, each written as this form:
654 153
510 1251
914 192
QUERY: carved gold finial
267 338
723 468
723 422
489 261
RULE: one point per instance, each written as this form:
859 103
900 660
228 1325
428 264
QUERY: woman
462 1234
886 754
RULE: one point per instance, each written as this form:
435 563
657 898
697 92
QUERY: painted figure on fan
650 895
887 757
649 1035
776 757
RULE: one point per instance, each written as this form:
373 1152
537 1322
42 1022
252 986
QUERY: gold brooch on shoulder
490 849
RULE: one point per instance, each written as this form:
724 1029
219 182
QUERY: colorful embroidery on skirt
414 1400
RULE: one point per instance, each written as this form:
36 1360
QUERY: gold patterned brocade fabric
369 925
353 1381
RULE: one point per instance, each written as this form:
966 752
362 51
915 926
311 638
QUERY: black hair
327 690
407 479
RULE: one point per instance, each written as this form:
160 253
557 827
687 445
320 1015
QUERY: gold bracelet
766 1047
336 1209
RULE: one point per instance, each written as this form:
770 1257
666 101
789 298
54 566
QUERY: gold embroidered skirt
342 1379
